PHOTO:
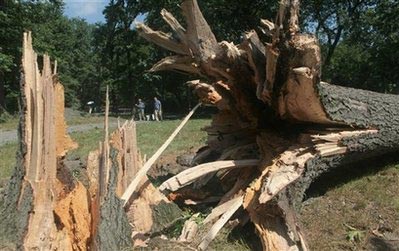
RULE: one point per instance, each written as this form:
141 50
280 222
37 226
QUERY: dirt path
11 136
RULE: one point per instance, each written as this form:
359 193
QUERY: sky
91 10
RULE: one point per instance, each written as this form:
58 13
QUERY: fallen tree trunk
269 93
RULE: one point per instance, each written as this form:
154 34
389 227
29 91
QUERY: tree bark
270 95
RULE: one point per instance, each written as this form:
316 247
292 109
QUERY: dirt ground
359 211
356 208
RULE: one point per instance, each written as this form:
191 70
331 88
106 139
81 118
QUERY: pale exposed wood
41 153
74 214
219 224
124 141
330 144
190 175
162 39
256 53
174 24
64 142
335 137
287 82
93 163
177 63
222 208
55 67
269 220
204 201
189 231
302 103
208 94
104 166
293 22
271 64
140 211
143 171
200 37
290 166
46 142
268 27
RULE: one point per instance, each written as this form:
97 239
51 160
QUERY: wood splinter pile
278 128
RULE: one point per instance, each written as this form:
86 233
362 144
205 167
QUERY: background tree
359 41
66 40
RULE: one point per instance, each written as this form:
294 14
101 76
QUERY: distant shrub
5 117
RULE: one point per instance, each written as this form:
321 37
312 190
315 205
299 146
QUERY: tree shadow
342 175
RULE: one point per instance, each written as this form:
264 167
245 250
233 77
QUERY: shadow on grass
247 236
342 175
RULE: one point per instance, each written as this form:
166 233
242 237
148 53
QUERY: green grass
12 122
344 217
87 140
9 124
7 159
150 136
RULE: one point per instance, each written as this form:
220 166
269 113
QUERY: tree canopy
359 40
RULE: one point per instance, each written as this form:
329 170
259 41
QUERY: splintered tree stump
46 207
40 208
273 108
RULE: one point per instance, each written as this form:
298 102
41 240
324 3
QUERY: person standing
157 109
141 106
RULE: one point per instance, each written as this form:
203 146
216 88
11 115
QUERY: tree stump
45 206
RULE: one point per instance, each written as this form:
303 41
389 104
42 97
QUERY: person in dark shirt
141 106
157 109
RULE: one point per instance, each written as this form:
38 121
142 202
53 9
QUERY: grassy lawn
12 122
150 136
344 217
7 159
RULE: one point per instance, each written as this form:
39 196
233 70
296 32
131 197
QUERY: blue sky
91 10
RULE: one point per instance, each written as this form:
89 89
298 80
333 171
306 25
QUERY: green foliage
66 40
359 40
353 234
5 117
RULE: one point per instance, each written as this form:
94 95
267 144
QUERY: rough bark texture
273 107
